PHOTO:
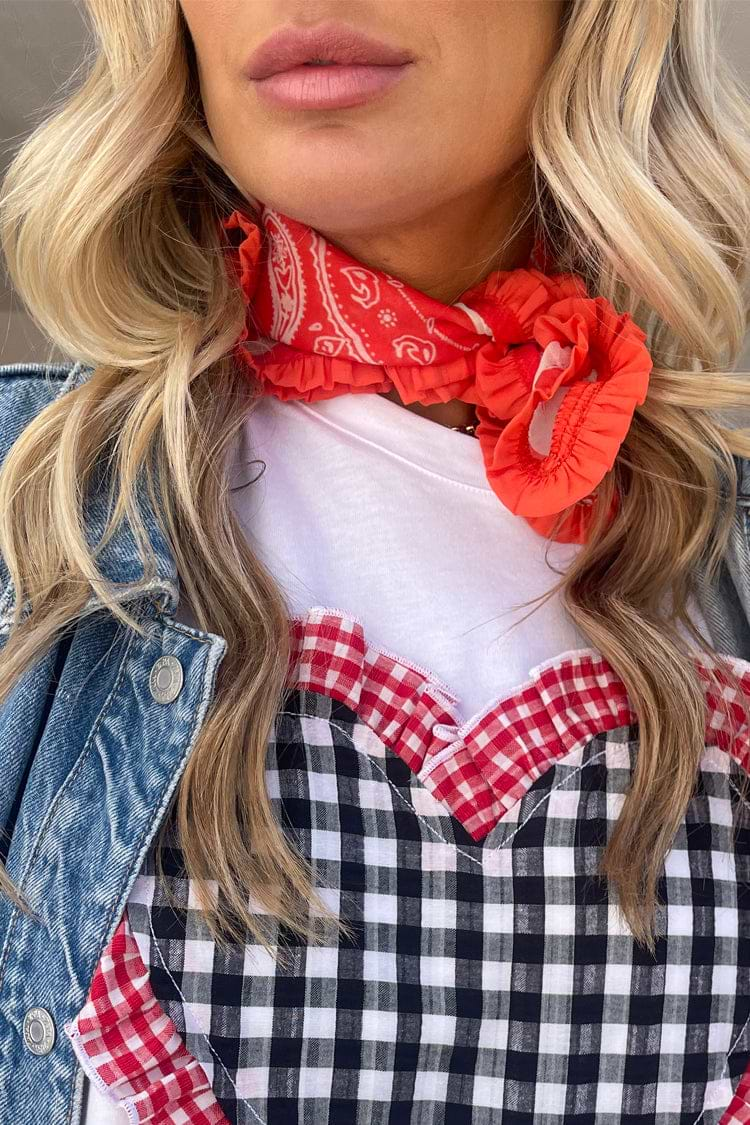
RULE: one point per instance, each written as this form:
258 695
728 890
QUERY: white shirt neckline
413 438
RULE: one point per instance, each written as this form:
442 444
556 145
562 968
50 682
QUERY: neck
454 245
447 250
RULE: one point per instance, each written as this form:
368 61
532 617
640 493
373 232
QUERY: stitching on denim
119 902
121 899
77 1082
183 630
59 795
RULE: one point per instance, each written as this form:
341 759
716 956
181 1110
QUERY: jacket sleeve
725 602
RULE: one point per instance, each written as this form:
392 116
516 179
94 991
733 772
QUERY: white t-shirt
369 508
99 1110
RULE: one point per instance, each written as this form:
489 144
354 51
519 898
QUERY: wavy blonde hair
109 222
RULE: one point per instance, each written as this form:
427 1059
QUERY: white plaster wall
21 341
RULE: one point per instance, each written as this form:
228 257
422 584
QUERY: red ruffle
509 301
246 254
478 769
516 319
131 1050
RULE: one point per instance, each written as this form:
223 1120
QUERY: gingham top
490 977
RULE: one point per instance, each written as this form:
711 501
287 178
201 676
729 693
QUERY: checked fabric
489 977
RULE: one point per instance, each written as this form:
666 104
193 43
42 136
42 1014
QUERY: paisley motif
365 287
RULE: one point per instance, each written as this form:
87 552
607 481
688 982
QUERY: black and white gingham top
490 977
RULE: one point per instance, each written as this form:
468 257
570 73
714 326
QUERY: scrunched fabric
131 1050
596 364
554 374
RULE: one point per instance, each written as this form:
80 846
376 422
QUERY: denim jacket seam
70 381
159 812
58 797
37 370
69 374
184 631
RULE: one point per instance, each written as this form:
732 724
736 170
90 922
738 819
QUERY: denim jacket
91 752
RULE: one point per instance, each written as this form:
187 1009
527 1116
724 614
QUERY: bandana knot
555 375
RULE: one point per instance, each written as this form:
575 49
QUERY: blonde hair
109 221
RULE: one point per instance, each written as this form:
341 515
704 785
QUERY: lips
330 44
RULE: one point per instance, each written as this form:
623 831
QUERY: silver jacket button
166 678
39 1031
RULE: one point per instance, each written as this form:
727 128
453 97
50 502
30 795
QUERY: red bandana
555 375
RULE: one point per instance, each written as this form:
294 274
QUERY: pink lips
286 69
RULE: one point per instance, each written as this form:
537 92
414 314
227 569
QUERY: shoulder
743 479
26 388
724 601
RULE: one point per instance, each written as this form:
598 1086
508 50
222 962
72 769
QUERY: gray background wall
40 45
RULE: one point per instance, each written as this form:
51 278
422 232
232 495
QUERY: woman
375 658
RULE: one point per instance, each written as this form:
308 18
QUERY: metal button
166 678
39 1031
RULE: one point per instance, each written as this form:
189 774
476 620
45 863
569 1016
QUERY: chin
337 178
334 202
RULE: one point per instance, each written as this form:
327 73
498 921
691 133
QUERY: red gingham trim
496 758
738 1110
480 768
403 703
132 1051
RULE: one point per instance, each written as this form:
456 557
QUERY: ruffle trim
288 374
509 301
131 1050
408 707
490 348
478 769
738 1110
596 364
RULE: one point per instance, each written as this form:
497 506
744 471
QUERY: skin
425 181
